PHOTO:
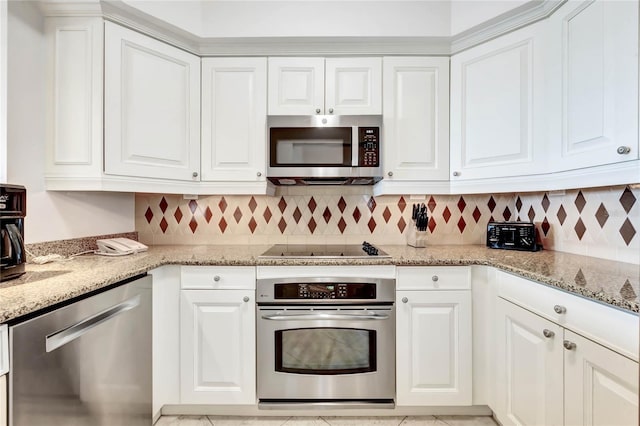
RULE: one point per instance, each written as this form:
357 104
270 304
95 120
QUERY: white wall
3 91
466 14
303 18
50 215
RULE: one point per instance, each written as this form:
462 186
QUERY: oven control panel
312 291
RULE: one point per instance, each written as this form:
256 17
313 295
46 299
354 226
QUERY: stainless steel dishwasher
87 363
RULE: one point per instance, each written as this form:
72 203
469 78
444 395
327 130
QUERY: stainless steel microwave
324 150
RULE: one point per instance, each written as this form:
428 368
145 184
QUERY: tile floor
325 421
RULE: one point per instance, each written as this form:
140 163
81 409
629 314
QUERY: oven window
328 350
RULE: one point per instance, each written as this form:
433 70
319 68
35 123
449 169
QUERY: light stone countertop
606 281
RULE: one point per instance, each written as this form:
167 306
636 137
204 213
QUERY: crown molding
123 14
505 23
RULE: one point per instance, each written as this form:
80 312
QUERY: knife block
417 238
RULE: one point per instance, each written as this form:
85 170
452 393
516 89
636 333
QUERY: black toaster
512 236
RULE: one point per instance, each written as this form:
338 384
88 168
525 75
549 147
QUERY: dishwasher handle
324 316
66 335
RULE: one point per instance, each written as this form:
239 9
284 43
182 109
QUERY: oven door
326 353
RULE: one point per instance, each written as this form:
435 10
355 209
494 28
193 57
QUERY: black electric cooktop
323 251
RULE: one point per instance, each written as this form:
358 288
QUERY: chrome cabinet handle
456 173
434 278
259 174
405 300
245 299
548 333
317 110
330 110
622 150
560 309
194 174
216 278
69 334
390 174
568 345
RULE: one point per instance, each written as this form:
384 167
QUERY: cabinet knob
559 309
317 110
194 174
622 150
568 345
259 174
456 173
548 333
434 278
216 278
405 300
245 299
330 110
390 174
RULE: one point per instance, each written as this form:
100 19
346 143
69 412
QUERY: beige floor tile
306 421
247 421
421 421
360 421
467 420
183 421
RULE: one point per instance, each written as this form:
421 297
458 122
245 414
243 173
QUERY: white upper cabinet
74 98
593 59
416 118
152 107
310 86
234 114
353 86
497 105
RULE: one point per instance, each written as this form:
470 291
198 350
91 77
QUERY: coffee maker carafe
13 209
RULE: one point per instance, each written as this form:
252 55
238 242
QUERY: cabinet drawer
617 329
4 349
433 278
218 277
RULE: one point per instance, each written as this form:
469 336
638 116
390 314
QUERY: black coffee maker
13 209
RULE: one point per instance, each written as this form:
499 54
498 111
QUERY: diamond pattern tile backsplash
600 222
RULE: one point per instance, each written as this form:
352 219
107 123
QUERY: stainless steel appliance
13 209
324 150
513 236
325 342
85 364
327 251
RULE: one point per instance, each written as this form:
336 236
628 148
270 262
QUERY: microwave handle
355 144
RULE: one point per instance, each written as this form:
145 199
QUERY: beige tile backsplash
600 222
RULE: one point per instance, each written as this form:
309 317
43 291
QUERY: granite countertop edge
47 285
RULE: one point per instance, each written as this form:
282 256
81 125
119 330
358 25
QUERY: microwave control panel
369 146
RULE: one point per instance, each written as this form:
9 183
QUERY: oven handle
323 316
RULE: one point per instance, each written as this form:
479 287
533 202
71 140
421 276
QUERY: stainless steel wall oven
325 342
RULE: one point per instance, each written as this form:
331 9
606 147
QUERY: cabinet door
152 107
601 386
528 368
296 86
594 64
234 116
416 118
3 400
217 347
353 86
433 348
497 94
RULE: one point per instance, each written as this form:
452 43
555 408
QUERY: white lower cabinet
433 340
548 375
217 344
601 386
3 400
